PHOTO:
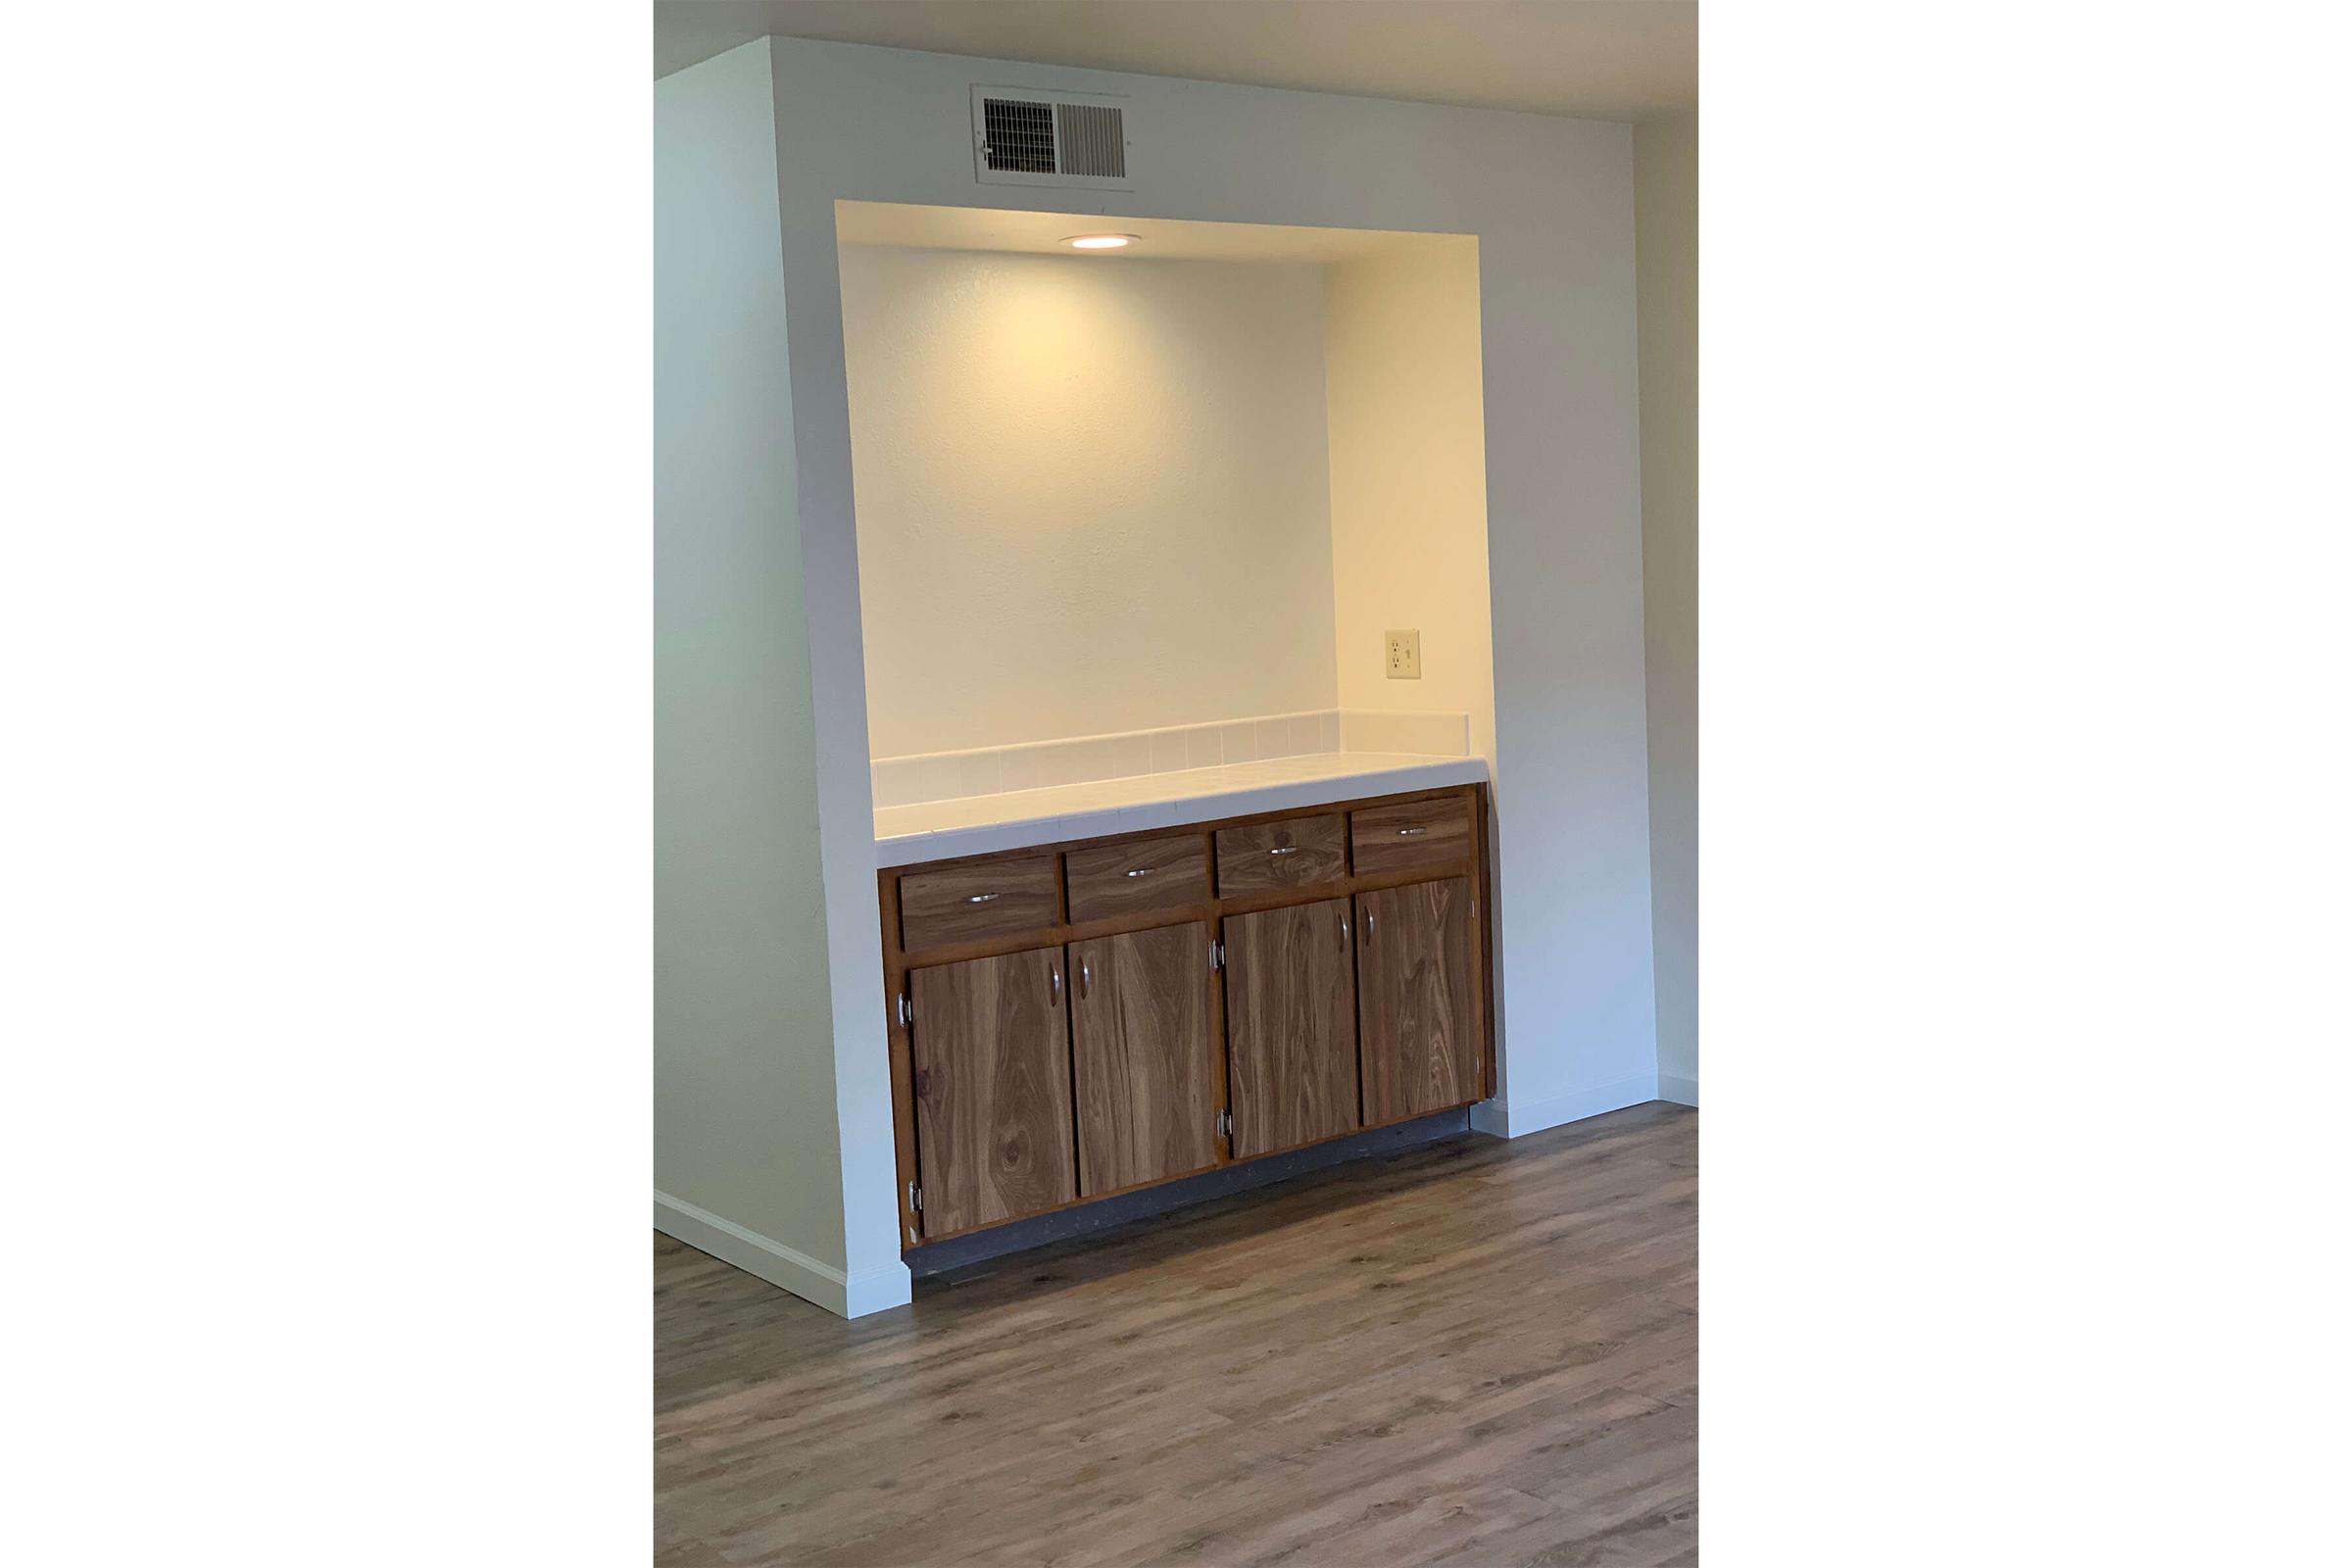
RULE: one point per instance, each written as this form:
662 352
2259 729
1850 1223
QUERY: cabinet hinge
1225 1122
915 1198
906 1011
1216 954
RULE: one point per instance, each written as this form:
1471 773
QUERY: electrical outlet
1404 656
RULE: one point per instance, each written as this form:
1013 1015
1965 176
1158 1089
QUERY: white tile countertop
982 824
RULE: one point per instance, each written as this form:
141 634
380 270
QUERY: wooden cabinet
1290 1007
990 1048
1393 838
1151 1086
1292 852
1012 895
1419 993
1060 1030
1123 879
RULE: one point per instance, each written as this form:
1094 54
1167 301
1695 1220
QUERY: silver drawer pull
1287 848
1410 832
982 898
1143 870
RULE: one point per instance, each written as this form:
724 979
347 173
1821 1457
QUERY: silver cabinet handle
983 898
1085 978
1287 848
1342 930
1057 1001
1410 832
1144 870
1371 924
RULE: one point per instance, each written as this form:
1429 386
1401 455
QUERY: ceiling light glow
1099 242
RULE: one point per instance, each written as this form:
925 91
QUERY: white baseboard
1518 1118
1681 1090
878 1289
786 1267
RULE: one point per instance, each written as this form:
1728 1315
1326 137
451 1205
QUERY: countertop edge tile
1269 785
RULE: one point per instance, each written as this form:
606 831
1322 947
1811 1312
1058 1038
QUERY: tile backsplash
1040 765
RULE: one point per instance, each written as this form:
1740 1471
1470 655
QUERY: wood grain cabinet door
1289 1023
1145 1064
990 1049
1418 995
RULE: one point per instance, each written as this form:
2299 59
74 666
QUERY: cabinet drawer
966 902
1119 879
1294 852
1397 838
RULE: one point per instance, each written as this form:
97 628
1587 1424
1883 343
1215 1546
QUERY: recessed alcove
1156 508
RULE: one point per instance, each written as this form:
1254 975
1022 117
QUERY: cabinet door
990 1048
1417 983
1289 1023
1145 1064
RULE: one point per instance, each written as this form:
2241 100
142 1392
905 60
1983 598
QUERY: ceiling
973 229
1595 58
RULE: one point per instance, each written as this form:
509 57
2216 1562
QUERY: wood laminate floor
1475 1352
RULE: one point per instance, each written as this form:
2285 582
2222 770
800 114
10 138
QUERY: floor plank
1471 1352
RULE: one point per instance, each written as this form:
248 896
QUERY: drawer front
1121 879
1294 852
1397 838
966 903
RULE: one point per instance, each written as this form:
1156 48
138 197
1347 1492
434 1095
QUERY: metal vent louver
1025 137
1094 140
1017 137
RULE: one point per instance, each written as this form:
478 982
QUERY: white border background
324 608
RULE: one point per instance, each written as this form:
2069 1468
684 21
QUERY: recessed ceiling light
1101 242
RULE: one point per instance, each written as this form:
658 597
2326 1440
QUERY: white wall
1552 202
747 1144
1408 480
1666 218
1092 493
